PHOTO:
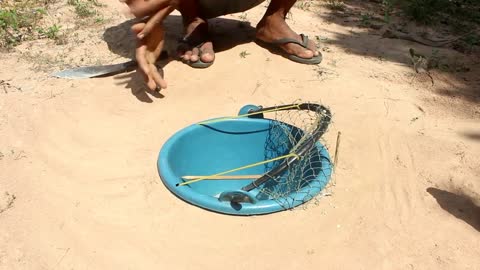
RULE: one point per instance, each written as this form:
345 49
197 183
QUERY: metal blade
94 71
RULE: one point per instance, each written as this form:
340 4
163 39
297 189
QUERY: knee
142 8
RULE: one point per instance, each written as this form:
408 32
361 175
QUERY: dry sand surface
79 188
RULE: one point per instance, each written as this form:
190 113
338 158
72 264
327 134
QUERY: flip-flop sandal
199 63
310 61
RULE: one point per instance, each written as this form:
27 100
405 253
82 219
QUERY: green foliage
434 11
422 10
468 43
12 18
441 62
17 21
99 19
51 32
366 19
336 5
8 18
472 39
304 4
84 8
387 9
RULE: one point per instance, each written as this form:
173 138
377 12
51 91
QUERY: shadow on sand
460 206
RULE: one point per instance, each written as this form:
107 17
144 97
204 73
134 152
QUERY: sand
79 187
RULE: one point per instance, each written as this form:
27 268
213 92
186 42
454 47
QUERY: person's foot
274 27
196 44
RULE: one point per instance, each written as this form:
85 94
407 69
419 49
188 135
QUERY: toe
187 56
184 51
299 51
208 55
195 55
313 47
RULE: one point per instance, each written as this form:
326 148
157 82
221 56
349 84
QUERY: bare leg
196 30
273 26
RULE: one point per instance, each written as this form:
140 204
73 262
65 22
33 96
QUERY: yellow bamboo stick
237 169
223 177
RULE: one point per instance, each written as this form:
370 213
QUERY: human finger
144 66
157 77
155 20
138 27
141 59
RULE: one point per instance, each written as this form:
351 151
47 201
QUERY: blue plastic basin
221 146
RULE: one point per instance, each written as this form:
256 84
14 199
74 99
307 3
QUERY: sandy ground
79 187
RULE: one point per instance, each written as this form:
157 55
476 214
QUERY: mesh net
307 176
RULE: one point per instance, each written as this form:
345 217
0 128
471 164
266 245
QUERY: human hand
156 10
147 52
150 35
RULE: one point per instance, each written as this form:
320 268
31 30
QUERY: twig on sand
7 202
335 162
63 257
6 85
256 87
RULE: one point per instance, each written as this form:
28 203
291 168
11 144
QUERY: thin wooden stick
335 162
223 177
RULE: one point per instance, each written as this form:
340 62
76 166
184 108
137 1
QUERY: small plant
84 8
244 54
323 73
318 42
8 18
99 19
440 62
435 59
452 12
51 32
336 5
18 20
303 4
472 39
366 19
387 10
243 17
